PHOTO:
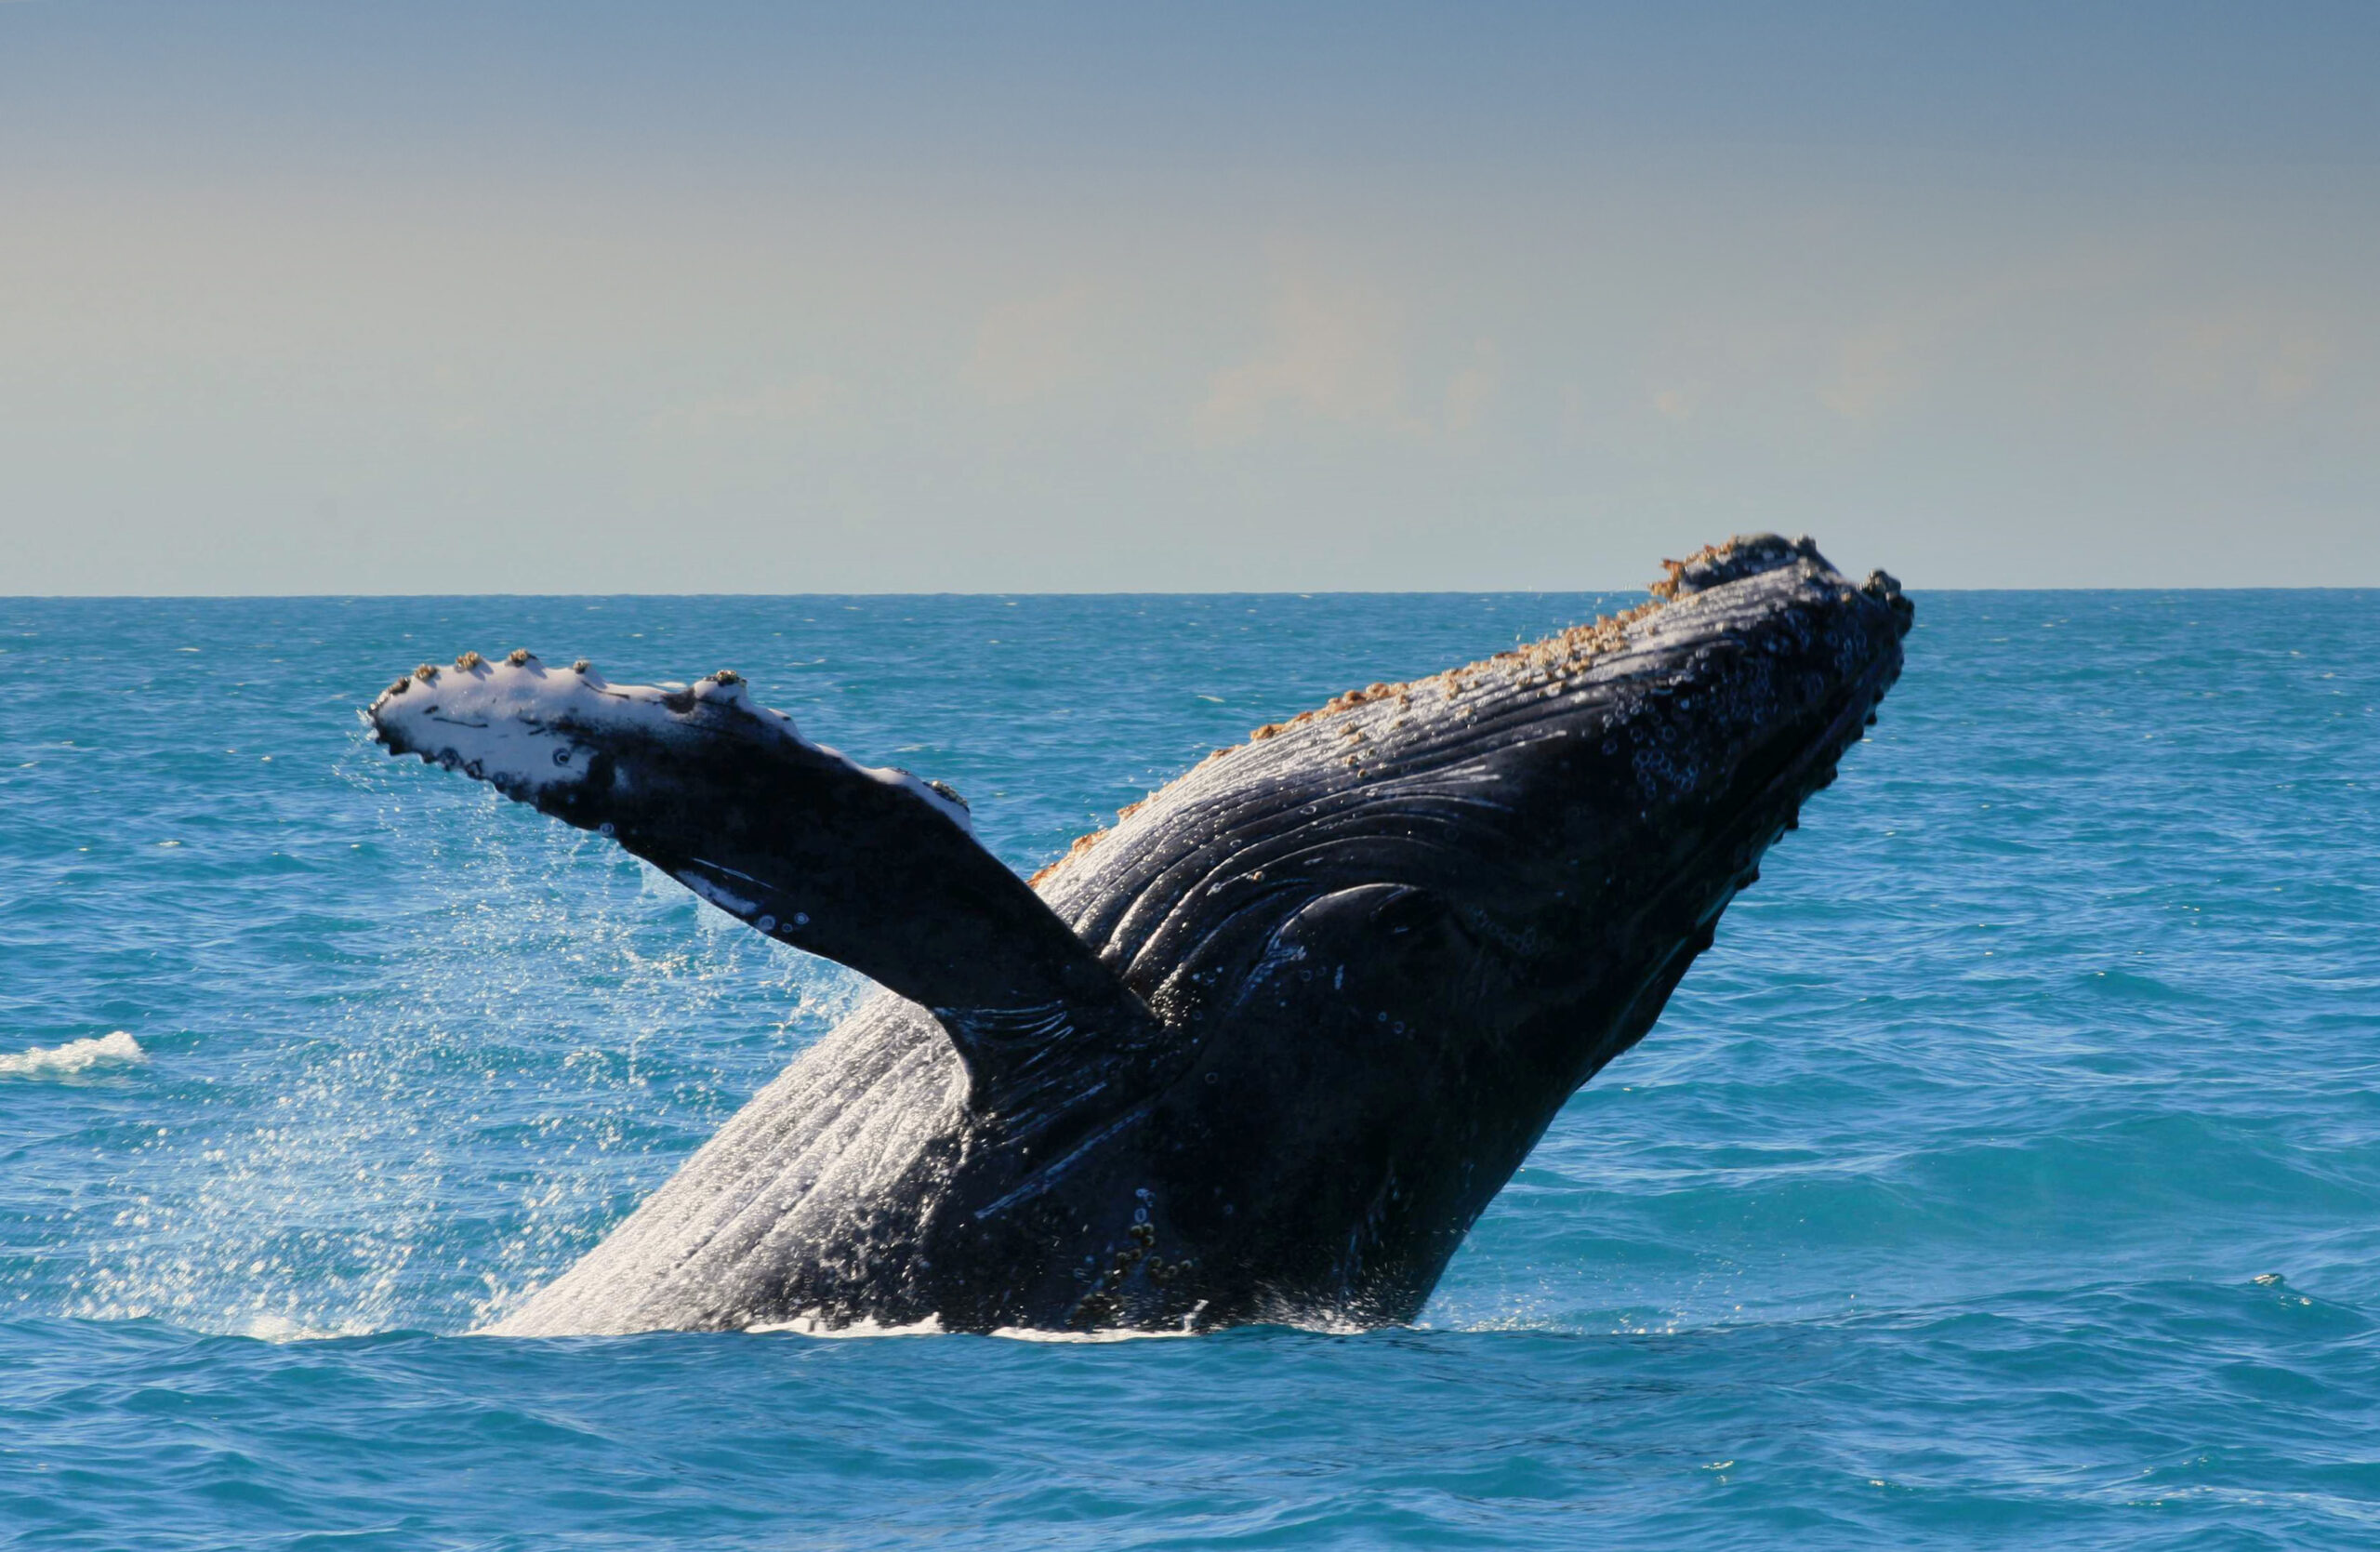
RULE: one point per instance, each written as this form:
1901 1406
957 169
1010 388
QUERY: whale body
1265 1050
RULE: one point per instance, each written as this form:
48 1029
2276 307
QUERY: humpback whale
1263 1050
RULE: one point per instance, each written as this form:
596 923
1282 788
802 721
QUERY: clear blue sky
493 296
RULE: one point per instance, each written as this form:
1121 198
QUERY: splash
813 1325
1100 1338
76 1057
462 1114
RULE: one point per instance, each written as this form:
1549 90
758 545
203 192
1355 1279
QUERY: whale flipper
872 868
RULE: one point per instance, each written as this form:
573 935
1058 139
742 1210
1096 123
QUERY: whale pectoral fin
872 868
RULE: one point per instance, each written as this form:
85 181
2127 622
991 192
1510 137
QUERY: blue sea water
2007 1175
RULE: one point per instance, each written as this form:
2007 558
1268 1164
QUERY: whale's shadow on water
1262 1052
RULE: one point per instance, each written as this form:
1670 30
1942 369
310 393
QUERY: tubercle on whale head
1540 682
1731 703
1713 565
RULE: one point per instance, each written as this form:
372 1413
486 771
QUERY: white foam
76 1057
1107 1333
810 1325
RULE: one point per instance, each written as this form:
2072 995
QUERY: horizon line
1108 592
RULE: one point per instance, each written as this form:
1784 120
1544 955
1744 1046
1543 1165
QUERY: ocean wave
76 1057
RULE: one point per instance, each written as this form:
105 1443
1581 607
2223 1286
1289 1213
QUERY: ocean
2008 1173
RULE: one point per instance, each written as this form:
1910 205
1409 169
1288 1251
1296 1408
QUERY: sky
337 298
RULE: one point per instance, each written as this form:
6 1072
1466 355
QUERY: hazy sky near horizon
705 296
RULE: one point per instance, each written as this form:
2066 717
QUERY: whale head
1398 932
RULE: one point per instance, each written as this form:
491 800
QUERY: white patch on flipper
501 721
74 1058
504 725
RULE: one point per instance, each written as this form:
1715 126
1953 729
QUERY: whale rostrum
1265 1050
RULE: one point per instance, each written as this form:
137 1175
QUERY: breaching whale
1265 1050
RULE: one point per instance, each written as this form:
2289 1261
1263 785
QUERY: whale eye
561 757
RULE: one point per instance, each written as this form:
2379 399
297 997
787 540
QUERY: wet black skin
1267 1050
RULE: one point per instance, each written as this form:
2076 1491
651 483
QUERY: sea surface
2008 1174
